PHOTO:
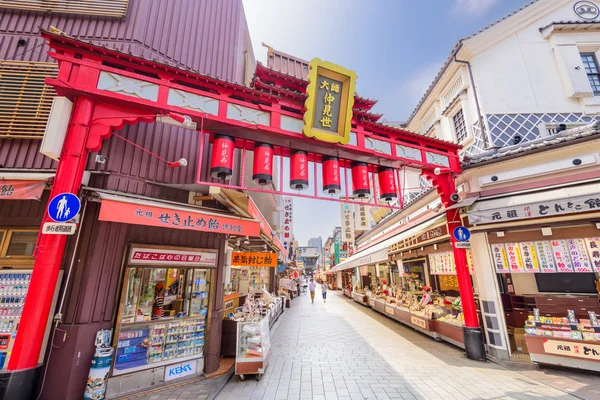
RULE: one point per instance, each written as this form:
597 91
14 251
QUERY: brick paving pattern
342 350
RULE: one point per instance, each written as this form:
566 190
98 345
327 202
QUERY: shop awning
23 185
243 203
139 210
560 201
379 252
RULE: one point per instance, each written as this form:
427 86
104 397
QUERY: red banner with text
139 214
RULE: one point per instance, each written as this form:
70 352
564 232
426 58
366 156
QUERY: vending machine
14 284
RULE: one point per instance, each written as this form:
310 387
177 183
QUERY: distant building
317 243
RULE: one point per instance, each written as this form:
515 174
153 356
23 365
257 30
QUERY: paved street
342 350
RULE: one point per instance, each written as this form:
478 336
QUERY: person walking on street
324 291
311 288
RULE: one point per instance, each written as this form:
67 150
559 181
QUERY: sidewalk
342 350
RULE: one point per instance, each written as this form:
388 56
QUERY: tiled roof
592 22
454 51
591 131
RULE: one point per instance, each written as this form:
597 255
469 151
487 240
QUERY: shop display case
144 344
449 324
361 298
564 341
253 347
162 317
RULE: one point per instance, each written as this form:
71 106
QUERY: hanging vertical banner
560 248
578 253
500 258
593 246
288 222
528 253
361 217
545 257
515 262
469 261
347 224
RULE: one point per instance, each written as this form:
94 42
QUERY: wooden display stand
582 354
451 333
360 298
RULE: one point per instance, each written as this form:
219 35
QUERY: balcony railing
25 100
106 8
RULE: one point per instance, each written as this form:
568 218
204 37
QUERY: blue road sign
64 207
461 234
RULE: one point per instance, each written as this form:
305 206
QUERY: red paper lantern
387 183
262 172
299 170
360 180
331 175
221 164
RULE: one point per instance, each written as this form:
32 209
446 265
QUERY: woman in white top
324 291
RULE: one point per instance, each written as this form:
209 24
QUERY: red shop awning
139 211
21 189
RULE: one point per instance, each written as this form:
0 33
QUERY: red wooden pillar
30 337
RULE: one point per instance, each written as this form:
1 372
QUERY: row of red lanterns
221 167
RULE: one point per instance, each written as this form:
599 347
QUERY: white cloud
473 8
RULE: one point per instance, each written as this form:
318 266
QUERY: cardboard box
520 343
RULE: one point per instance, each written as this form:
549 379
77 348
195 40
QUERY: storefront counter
582 354
450 333
360 298
402 314
372 302
424 325
379 305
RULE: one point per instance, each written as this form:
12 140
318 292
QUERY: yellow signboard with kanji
329 103
254 259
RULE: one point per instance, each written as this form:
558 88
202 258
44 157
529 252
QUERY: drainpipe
479 116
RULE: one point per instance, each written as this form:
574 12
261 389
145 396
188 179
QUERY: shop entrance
348 157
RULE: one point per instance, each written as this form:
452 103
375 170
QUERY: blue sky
395 46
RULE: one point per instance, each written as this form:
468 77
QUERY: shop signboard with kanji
361 217
545 257
287 234
578 253
149 215
329 102
548 256
561 255
513 253
528 253
500 258
570 349
347 224
535 210
593 247
21 190
174 258
254 259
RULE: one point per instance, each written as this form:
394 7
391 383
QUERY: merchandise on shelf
558 327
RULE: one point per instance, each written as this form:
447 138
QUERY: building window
593 72
17 247
26 99
460 127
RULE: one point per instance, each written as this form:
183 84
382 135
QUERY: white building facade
520 78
